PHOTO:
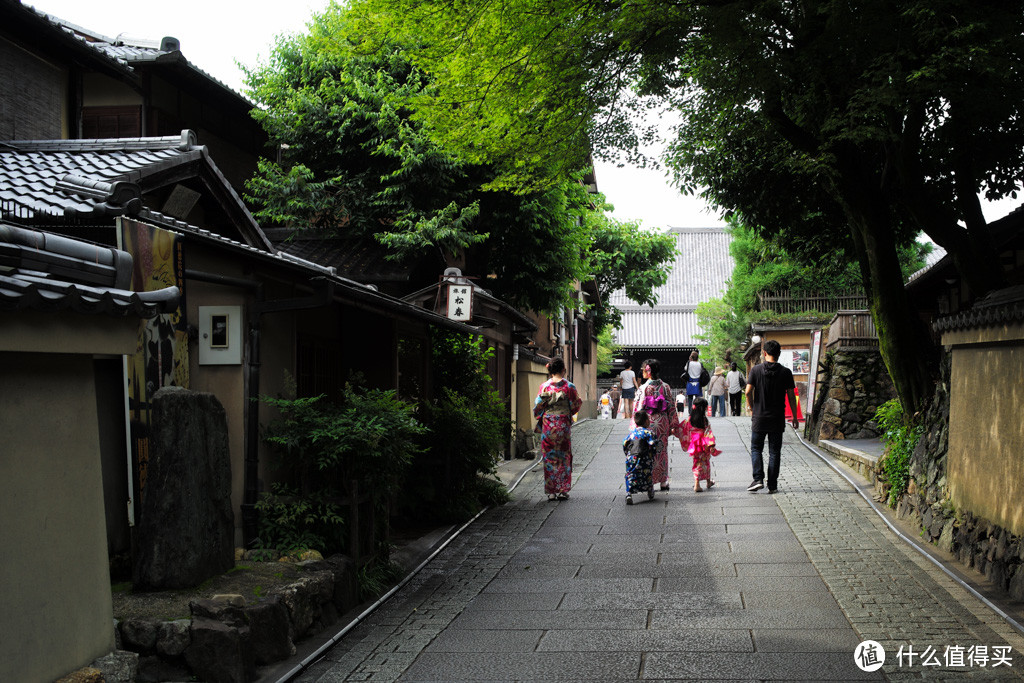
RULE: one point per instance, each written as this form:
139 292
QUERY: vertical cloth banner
161 352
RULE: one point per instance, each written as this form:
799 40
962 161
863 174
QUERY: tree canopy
770 264
844 124
356 160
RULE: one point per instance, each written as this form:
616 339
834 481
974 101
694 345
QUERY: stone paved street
721 585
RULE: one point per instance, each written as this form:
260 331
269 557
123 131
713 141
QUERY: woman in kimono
657 400
557 401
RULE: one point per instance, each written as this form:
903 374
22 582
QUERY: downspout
251 440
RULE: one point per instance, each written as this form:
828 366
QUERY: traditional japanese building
668 331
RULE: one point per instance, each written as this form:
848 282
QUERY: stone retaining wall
977 543
852 383
227 638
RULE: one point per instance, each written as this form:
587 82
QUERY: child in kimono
699 441
639 450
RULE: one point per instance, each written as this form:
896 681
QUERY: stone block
302 602
947 535
268 631
232 599
1016 583
86 675
218 610
156 669
839 394
173 637
118 666
186 526
139 635
218 652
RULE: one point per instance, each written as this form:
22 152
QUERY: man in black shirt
768 386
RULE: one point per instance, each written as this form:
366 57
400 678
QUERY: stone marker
186 529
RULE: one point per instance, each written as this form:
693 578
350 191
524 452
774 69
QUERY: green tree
764 263
859 124
606 351
355 160
470 426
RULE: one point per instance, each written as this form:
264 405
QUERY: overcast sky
214 34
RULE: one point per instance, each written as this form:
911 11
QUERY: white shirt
694 369
733 378
627 377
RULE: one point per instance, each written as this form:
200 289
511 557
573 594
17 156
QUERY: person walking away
692 378
768 386
735 382
718 389
628 384
655 398
698 440
616 396
557 401
681 402
639 449
605 405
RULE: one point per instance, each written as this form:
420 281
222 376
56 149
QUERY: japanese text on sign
460 302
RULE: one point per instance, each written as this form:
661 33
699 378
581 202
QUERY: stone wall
228 638
976 542
852 383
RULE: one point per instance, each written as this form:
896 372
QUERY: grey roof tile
34 170
700 273
46 272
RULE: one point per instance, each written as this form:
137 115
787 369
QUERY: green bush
371 437
900 439
470 425
290 522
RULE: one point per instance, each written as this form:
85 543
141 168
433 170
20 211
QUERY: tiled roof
1000 307
44 272
362 260
105 177
85 177
129 52
659 327
700 273
930 260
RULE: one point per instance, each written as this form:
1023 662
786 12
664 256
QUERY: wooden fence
797 301
852 328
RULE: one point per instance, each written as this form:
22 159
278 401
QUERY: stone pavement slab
720 585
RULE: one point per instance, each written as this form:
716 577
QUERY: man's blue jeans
718 406
774 456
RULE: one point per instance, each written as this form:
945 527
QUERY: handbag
693 387
705 376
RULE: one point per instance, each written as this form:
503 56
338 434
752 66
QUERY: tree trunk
904 344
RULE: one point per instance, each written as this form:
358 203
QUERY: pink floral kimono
557 401
700 444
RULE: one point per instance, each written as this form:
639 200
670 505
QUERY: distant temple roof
700 273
